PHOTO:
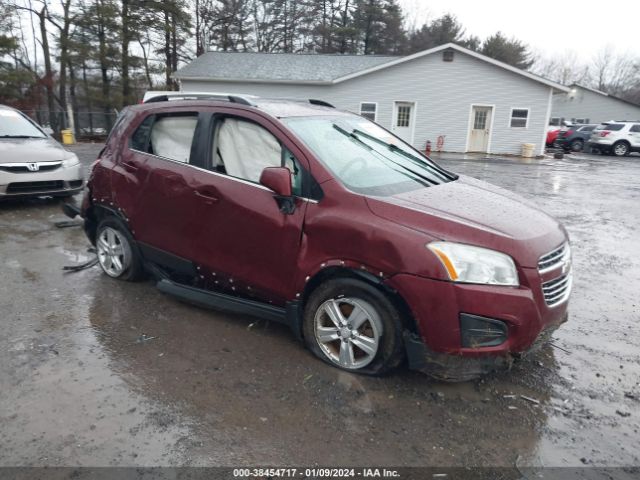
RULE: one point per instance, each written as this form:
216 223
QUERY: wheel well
95 214
331 273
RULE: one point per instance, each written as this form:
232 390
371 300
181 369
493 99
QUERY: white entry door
480 128
404 120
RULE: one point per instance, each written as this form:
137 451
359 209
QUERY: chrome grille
23 167
557 290
554 258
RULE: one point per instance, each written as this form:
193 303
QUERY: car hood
16 150
477 213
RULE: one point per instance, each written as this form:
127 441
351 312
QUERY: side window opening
243 149
292 163
172 135
140 139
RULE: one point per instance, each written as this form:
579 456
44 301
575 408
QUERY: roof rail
321 103
242 100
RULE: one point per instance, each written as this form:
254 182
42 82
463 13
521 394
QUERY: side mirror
278 179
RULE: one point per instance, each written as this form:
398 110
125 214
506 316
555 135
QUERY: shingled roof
281 67
315 68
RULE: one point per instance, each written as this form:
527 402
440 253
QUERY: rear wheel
353 326
117 252
621 149
577 145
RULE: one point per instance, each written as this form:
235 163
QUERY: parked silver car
31 162
620 137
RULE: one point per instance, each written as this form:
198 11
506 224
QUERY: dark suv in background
321 219
575 138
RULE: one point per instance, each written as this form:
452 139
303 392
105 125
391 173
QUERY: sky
584 26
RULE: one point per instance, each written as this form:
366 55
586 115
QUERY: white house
470 101
586 105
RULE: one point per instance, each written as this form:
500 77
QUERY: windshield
14 125
366 158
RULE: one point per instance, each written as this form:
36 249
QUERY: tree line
91 57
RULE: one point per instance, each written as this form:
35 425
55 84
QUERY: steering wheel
358 161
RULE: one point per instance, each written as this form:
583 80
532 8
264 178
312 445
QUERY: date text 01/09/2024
315 472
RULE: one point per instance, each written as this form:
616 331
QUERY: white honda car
31 162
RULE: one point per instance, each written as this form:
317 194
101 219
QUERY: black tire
133 270
577 145
621 149
390 348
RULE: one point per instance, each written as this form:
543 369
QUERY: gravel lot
79 388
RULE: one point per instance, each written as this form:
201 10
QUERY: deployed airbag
171 137
247 149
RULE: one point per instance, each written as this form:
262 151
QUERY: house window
404 116
447 56
480 119
369 110
555 122
519 118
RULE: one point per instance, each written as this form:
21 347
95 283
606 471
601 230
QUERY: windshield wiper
394 148
20 136
371 149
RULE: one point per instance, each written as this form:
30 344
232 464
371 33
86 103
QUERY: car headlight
70 162
469 264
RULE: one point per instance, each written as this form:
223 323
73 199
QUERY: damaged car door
164 220
248 244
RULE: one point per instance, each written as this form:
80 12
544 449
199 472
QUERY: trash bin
67 137
527 149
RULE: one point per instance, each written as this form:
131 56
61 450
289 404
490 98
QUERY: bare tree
564 68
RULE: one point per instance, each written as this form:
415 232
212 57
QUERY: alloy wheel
348 331
114 252
620 149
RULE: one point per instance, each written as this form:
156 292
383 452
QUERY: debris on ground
560 348
144 338
67 224
623 414
82 266
530 399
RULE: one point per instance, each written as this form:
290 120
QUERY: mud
96 372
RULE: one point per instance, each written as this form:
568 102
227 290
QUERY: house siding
443 93
596 107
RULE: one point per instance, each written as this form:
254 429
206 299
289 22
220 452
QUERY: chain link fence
87 125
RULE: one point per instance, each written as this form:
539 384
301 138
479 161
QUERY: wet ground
97 372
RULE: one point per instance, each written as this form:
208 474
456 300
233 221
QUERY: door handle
131 167
207 196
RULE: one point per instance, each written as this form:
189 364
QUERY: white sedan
31 162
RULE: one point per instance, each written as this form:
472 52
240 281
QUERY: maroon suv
300 213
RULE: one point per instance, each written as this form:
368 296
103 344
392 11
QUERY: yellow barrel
67 137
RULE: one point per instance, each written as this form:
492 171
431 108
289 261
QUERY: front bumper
436 348
460 368
62 181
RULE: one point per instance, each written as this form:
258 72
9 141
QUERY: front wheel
117 252
353 326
